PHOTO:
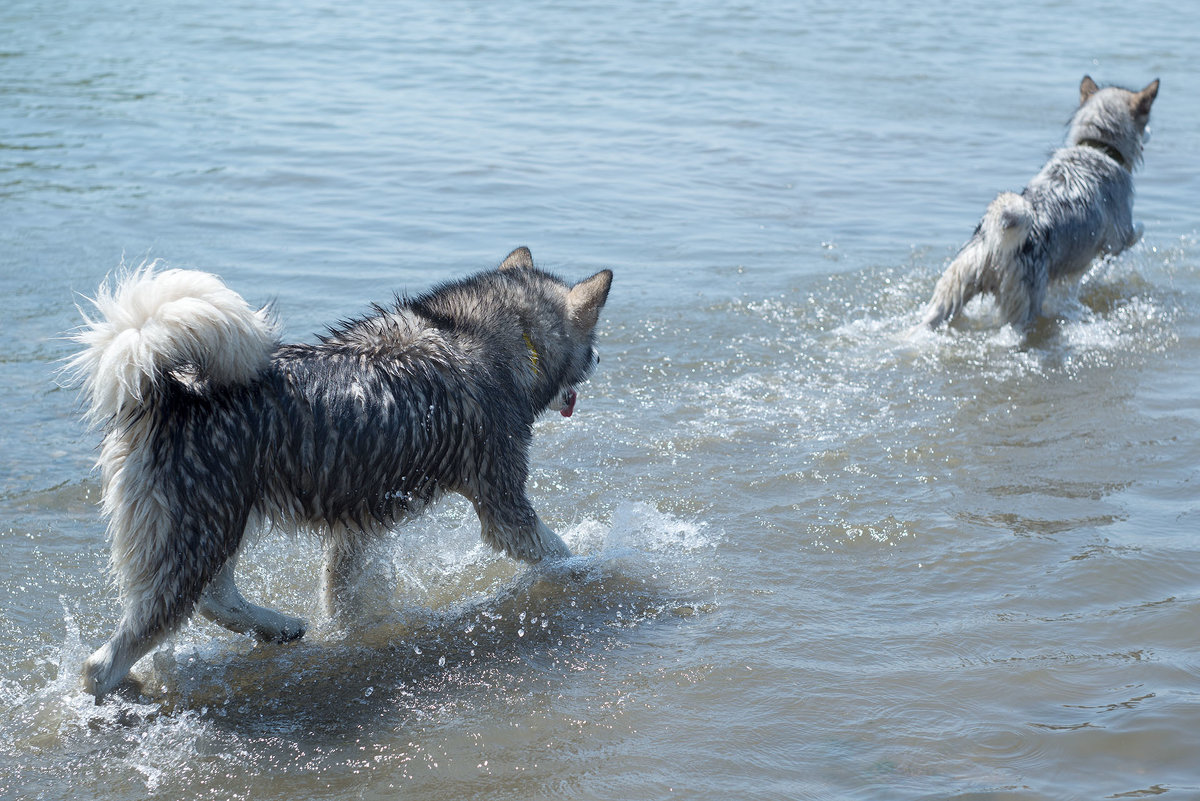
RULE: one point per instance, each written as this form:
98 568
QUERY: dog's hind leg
222 603
163 556
105 669
150 614
965 278
152 610
159 577
987 263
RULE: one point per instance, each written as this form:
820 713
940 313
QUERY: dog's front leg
529 543
222 603
550 544
509 524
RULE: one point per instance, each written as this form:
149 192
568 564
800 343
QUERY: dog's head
1113 116
559 329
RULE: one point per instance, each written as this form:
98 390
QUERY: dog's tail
987 262
1006 224
153 322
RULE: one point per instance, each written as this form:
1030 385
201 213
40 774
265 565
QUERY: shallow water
818 558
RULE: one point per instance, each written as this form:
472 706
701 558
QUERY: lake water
821 560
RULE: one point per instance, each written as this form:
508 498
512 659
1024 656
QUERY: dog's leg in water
105 669
510 525
530 542
151 612
223 604
163 571
552 545
159 589
358 576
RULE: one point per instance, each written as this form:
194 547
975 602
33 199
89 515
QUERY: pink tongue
569 409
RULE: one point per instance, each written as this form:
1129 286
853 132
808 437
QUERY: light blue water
822 560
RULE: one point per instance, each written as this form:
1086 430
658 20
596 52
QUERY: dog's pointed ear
519 259
1143 99
587 298
1087 88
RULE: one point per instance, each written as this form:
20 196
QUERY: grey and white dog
213 428
1078 207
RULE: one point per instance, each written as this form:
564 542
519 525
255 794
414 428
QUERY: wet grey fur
1078 207
346 437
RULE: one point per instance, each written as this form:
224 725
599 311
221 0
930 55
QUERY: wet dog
213 428
1078 207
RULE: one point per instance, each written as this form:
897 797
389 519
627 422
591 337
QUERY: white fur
153 322
982 264
223 604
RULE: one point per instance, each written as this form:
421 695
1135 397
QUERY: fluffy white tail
1006 224
986 263
154 322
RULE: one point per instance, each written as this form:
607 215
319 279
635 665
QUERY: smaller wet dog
213 428
1078 207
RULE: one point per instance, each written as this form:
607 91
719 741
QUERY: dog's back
356 441
1082 203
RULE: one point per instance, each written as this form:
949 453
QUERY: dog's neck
1106 149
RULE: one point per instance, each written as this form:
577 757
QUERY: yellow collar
533 354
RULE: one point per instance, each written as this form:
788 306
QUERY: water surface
817 558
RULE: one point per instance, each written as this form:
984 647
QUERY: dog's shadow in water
538 629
